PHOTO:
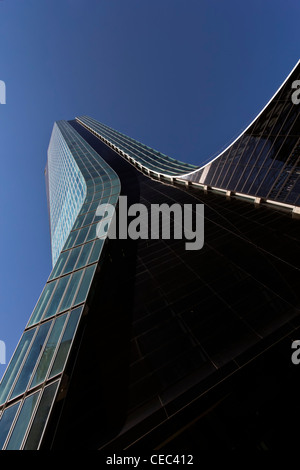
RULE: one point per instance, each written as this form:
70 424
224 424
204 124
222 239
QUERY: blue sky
182 76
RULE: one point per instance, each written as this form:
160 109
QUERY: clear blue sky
182 76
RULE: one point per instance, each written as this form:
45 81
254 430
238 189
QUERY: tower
141 343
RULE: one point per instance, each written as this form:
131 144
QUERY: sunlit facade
66 190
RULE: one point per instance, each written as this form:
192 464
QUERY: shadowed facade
142 344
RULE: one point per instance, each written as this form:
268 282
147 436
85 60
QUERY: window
6 422
40 418
66 341
42 303
31 359
71 291
71 260
15 364
56 298
24 417
96 251
85 284
59 265
84 255
51 345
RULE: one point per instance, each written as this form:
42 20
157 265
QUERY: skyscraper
141 343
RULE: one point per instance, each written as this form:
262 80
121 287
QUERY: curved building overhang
261 164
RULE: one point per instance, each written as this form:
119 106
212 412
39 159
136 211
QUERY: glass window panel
81 235
57 296
84 255
104 200
15 364
96 251
97 195
89 218
107 192
115 190
70 240
42 303
85 284
64 346
72 288
6 422
41 416
31 359
78 222
71 260
92 232
59 265
89 197
85 208
42 369
94 206
24 417
266 152
114 199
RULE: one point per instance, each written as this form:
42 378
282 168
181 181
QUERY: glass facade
187 321
66 190
265 160
128 335
77 180
147 157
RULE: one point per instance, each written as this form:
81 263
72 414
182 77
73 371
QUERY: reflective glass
96 251
89 218
59 265
78 222
15 364
81 235
65 183
6 422
84 255
22 422
42 369
61 285
64 346
31 359
140 152
70 240
94 206
71 290
85 284
71 260
42 303
40 418
92 232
